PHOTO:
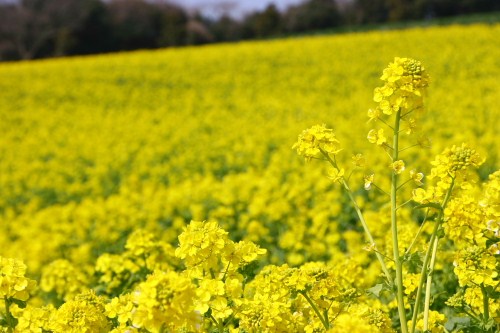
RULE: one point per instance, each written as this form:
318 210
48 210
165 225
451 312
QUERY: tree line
32 29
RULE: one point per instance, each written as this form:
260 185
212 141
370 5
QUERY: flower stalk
394 229
324 320
361 218
428 264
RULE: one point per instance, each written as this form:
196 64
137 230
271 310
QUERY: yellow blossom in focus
405 82
417 177
208 290
316 139
455 159
121 308
242 253
377 137
398 167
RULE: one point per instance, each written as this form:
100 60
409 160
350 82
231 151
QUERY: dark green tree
312 15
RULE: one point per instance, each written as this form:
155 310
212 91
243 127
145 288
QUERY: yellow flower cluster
308 298
472 225
143 255
405 80
465 222
476 266
13 282
455 159
214 260
315 140
164 300
449 167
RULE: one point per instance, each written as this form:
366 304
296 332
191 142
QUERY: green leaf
377 289
457 322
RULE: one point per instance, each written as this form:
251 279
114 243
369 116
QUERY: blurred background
32 29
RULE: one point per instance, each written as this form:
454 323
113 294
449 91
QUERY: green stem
428 284
404 204
219 324
486 305
384 122
434 246
428 255
8 316
325 315
367 231
225 272
423 274
409 147
394 228
406 182
380 189
408 250
473 316
361 218
323 320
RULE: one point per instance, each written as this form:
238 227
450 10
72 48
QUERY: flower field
158 191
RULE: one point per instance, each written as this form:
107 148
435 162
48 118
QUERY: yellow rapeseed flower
398 167
316 139
13 283
377 137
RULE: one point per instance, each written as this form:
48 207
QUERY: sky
235 8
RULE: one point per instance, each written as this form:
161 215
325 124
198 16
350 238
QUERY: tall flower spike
405 80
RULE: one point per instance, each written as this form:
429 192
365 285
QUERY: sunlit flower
377 137
398 167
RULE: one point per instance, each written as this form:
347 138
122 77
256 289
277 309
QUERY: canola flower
402 95
13 282
98 183
315 140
